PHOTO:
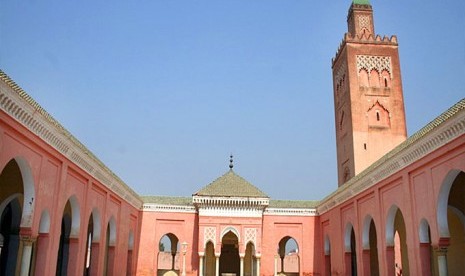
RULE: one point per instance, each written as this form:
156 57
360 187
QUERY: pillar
73 251
43 242
328 265
217 264
201 256
258 264
94 258
441 252
276 265
111 260
242 263
366 262
425 258
27 242
348 263
129 264
390 260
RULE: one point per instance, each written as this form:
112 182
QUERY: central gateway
230 263
230 224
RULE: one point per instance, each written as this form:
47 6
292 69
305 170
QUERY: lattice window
364 22
379 63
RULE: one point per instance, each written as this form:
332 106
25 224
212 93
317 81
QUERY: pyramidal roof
230 185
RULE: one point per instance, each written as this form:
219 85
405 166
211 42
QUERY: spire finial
231 165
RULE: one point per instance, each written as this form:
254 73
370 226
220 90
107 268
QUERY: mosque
399 208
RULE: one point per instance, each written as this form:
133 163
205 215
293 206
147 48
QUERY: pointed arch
443 203
233 230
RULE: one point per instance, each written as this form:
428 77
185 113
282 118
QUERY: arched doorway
451 220
370 247
110 244
168 254
92 243
70 223
350 257
327 251
11 197
424 234
229 258
288 251
210 259
396 234
250 262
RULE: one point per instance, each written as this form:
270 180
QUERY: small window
385 82
377 116
365 146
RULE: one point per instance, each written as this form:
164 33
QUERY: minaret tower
368 97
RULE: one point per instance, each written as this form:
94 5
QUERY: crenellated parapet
364 39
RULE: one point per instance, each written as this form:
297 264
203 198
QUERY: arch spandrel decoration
209 235
250 236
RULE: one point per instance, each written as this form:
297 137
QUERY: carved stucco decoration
378 63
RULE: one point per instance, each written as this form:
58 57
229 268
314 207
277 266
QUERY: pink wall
55 180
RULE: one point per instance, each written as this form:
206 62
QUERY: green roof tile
293 203
361 2
167 200
231 185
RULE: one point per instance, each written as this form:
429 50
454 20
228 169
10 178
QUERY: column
71 260
258 264
242 263
441 252
94 259
348 263
425 257
43 241
217 264
366 261
391 267
27 242
201 256
276 265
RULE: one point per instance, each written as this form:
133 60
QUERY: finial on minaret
231 162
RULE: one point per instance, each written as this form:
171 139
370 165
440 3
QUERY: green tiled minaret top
361 2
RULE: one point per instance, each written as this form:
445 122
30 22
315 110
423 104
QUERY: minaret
368 97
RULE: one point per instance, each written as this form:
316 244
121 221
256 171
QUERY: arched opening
363 78
43 243
63 248
327 250
229 258
350 251
70 224
110 247
130 250
15 188
374 78
288 251
210 259
249 260
424 234
9 229
387 78
397 254
92 243
168 254
451 221
370 247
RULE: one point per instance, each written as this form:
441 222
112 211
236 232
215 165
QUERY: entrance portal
229 259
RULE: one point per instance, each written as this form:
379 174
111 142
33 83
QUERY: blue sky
163 91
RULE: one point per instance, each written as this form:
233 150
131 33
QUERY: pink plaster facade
63 212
